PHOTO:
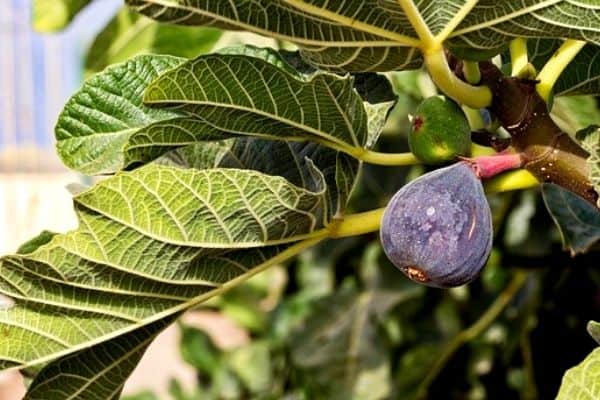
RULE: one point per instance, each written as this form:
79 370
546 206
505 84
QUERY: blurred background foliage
340 322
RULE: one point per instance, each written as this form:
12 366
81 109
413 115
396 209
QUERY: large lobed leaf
326 43
244 91
375 35
129 266
97 121
258 96
107 365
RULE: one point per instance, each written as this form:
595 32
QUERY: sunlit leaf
85 287
376 35
107 366
246 95
98 120
581 382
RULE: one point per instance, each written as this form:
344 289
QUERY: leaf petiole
556 65
518 56
391 159
451 85
356 224
418 23
471 72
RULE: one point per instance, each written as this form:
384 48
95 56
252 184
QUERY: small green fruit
440 131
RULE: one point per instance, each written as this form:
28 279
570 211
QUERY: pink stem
489 166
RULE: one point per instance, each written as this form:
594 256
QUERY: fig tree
440 131
437 229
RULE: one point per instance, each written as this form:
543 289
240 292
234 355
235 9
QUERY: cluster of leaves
231 162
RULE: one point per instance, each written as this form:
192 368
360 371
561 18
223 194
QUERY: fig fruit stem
370 221
556 65
473 331
450 84
489 166
474 117
518 56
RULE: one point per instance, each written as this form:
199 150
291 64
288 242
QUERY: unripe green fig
437 229
440 131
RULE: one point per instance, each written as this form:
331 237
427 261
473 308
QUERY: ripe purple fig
437 229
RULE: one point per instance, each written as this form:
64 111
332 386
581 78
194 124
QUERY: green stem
518 56
471 72
473 331
530 392
513 180
418 23
374 157
285 255
451 85
474 118
370 221
556 65
356 224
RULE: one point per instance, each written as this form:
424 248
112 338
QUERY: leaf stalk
518 56
427 40
451 85
390 159
556 65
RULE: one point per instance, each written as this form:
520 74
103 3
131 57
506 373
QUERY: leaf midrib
265 32
336 143
280 257
504 18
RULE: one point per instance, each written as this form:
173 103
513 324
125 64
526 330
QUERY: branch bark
548 153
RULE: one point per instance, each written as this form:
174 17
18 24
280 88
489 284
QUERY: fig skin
440 131
437 229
